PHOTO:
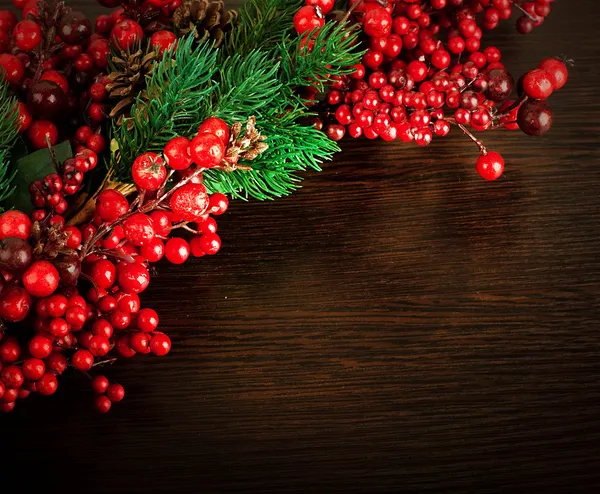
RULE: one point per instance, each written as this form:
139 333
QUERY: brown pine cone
205 18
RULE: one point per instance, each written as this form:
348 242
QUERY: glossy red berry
133 278
111 205
490 166
98 52
377 23
218 204
177 153
557 72
27 35
190 202
41 279
10 351
115 393
33 369
140 343
56 305
177 250
120 319
100 384
307 19
163 40
537 84
139 229
210 243
59 327
13 68
40 346
15 304
83 360
15 224
42 134
12 376
126 33
99 346
103 273
217 127
48 384
207 150
102 404
154 250
160 344
59 79
128 302
161 222
148 171
25 118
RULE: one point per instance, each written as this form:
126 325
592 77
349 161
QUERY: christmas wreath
121 142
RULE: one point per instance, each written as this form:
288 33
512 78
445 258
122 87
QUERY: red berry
104 273
25 118
177 250
56 305
102 404
102 327
160 344
12 376
41 279
15 304
163 40
537 84
190 202
133 278
83 360
13 68
40 346
74 240
42 133
15 224
123 347
147 320
33 369
57 78
98 51
557 72
111 205
148 171
139 229
218 204
27 35
120 319
76 317
177 153
378 23
210 243
10 351
56 363
490 166
115 393
128 302
161 222
126 33
96 143
99 346
140 343
8 20
217 127
307 19
59 327
153 250
207 150
48 384
100 384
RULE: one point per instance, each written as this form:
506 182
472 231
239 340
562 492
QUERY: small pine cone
205 18
127 78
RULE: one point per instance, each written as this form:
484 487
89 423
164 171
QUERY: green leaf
34 166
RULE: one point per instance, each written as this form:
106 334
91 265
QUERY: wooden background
397 326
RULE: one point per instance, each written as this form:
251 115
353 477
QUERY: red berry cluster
425 70
71 325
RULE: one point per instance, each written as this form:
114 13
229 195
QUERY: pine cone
128 78
205 18
246 146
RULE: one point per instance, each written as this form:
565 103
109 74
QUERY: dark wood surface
396 326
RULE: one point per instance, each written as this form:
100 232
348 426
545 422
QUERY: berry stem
525 13
468 133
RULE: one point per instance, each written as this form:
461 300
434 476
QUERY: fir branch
9 132
262 24
178 96
331 51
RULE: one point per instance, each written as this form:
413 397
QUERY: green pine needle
9 117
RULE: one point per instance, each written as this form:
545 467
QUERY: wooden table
398 325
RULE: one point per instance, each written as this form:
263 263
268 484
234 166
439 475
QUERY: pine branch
9 116
261 24
178 100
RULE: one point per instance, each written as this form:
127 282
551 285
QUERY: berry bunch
425 71
78 288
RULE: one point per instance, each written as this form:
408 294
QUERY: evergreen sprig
261 24
9 116
177 96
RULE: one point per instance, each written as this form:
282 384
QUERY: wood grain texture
396 326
